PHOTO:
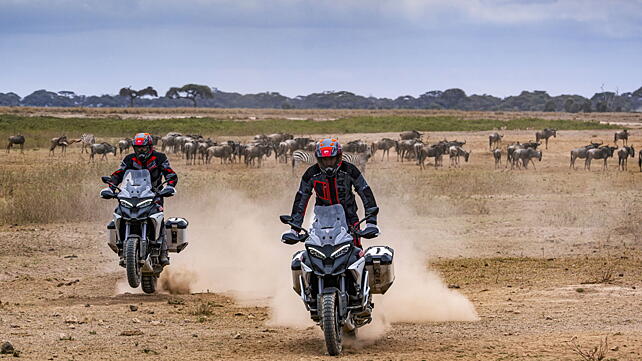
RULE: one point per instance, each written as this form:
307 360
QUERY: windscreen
329 226
136 184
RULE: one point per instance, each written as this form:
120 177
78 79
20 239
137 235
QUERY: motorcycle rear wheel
131 262
332 332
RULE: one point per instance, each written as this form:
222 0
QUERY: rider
332 180
145 157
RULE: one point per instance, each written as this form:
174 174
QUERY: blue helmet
329 154
328 148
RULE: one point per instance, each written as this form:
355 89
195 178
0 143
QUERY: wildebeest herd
288 149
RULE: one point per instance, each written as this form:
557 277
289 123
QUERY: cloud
611 18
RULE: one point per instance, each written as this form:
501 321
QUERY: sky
382 48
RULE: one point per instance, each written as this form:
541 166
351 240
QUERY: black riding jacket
157 164
334 190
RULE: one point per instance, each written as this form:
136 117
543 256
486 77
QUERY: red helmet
143 146
143 139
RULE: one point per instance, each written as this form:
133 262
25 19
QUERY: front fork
342 300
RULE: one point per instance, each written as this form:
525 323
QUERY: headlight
316 253
341 251
126 204
144 203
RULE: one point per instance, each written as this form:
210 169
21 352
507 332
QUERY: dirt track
543 256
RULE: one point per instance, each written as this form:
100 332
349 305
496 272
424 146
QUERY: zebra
358 159
302 156
86 141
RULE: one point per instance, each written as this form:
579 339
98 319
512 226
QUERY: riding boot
163 258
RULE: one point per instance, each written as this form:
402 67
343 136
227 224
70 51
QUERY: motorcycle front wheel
131 262
332 332
149 282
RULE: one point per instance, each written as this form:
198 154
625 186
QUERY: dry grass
596 353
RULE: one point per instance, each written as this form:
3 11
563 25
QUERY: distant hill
455 99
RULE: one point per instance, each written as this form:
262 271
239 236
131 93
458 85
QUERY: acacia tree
191 92
133 94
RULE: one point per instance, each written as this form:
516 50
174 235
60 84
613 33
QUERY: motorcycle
334 278
138 228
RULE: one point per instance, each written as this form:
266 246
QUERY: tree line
197 95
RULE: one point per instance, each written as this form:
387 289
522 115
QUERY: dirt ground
513 265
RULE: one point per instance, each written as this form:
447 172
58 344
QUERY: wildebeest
406 147
623 157
16 140
603 152
640 160
61 142
189 149
581 153
455 152
495 139
384 144
513 147
624 135
545 134
124 145
169 141
101 148
224 152
256 152
525 155
497 155
410 134
355 146
430 151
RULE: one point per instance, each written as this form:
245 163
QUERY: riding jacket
157 164
334 190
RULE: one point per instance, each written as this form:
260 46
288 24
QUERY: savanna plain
491 264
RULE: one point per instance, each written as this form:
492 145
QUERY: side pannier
381 272
176 234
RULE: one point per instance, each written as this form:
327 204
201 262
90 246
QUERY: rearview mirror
285 219
106 179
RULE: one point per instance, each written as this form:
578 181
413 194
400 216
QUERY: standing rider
332 180
145 157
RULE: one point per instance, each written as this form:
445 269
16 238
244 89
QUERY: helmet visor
328 162
141 149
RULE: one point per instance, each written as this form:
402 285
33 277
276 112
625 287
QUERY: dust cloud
235 249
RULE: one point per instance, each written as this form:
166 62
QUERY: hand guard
290 237
168 191
371 231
